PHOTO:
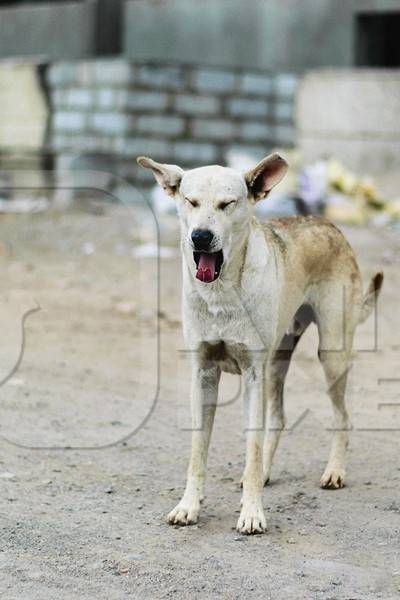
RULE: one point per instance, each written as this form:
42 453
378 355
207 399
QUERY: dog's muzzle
208 263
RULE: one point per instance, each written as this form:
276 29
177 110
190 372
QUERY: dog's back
314 251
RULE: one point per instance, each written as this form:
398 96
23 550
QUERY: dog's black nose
202 239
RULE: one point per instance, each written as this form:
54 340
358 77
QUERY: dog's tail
371 296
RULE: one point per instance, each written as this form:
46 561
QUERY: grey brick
85 71
113 71
92 143
79 98
146 100
216 129
256 84
134 146
62 74
72 121
284 111
195 152
251 130
111 122
58 97
285 134
106 98
163 125
239 107
196 105
213 80
170 77
285 85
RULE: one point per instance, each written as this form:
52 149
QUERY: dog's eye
194 203
224 205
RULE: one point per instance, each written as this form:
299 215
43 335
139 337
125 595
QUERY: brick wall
188 115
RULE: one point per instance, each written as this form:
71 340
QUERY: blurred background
90 84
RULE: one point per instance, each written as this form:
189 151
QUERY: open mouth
208 265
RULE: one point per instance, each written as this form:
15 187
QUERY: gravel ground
83 500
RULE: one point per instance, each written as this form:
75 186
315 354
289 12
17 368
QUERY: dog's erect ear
265 176
167 176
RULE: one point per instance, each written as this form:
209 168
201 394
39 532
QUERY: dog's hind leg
274 386
336 327
336 366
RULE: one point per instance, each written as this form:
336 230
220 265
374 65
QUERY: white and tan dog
250 290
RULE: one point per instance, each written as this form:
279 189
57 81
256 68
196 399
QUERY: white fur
236 323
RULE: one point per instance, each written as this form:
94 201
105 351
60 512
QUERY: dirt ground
95 440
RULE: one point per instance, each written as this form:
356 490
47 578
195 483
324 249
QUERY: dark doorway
378 39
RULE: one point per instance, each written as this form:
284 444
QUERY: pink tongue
206 268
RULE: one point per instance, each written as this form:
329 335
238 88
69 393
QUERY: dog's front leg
204 394
252 518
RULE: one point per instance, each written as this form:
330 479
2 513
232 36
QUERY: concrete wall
174 113
48 31
352 115
266 34
61 30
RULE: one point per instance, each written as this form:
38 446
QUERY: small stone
135 557
125 308
7 475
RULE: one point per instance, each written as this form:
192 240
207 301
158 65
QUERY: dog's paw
183 514
251 522
333 478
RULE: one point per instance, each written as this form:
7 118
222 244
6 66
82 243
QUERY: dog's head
214 206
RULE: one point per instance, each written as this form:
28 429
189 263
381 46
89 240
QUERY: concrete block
196 105
255 84
58 98
285 85
157 77
239 107
145 101
106 98
69 121
251 130
352 114
162 125
111 122
350 103
367 157
62 74
214 80
114 71
215 129
135 146
79 98
284 111
196 153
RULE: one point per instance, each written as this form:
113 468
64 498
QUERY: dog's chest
232 316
